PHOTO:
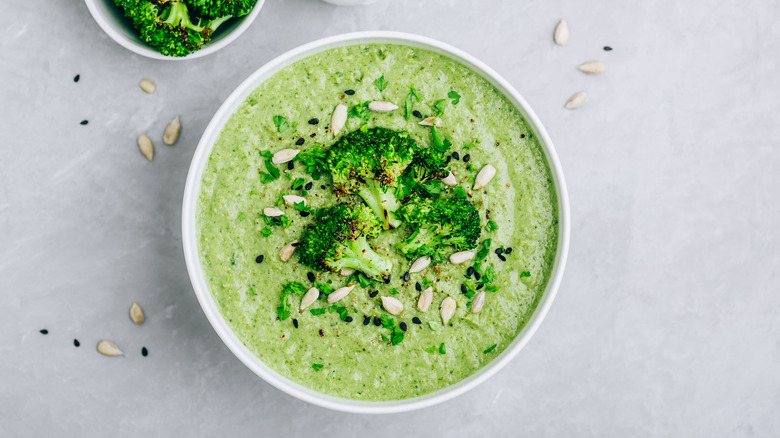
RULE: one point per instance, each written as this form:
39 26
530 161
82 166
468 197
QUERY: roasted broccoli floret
444 221
337 239
167 26
368 162
428 164
220 8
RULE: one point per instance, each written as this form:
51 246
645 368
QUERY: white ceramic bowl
192 191
113 22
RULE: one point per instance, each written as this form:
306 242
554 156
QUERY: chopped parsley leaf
439 107
381 83
316 312
491 348
317 366
525 274
281 123
491 226
454 96
442 350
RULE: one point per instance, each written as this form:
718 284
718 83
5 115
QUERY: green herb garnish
491 226
281 123
454 96
442 350
381 83
267 232
439 107
316 312
491 348
317 366
293 287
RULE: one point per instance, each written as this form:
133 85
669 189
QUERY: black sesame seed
508 250
499 251
309 185
260 258
466 158
456 155
305 213
44 332
84 122
348 319
477 275
311 276
377 321
144 352
417 114
501 256
464 288
366 320
387 278
300 141
290 165
322 186
76 79
403 326
295 243
349 92
373 294
295 323
447 161
607 49
418 286
76 343
314 121
470 271
416 320
480 286
406 276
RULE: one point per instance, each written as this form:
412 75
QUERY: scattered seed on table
418 286
366 320
260 258
508 250
463 288
311 276
470 271
607 49
417 114
144 352
314 121
477 275
84 122
44 332
480 286
456 155
295 322
377 321
290 165
349 92
309 185
466 158
406 276
373 294
76 78
305 213
300 141
403 326
416 320
501 256
348 319
76 341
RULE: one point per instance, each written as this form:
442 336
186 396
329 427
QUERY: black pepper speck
76 78
44 332
607 49
76 343
84 122
144 352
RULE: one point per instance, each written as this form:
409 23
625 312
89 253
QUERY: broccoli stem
358 255
421 241
179 15
382 202
214 24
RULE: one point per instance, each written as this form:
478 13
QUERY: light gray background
668 319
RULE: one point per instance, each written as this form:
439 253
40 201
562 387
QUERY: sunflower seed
448 309
561 35
592 67
339 118
577 100
107 348
146 147
460 257
147 85
172 131
340 293
294 199
346 272
285 155
382 107
426 298
484 176
137 314
420 264
450 180
288 250
392 305
478 302
431 121
272 212
310 297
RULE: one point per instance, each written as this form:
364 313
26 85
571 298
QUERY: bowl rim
135 45
192 192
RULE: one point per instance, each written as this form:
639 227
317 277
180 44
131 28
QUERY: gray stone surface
668 319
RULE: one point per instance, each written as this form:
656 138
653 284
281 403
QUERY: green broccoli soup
377 222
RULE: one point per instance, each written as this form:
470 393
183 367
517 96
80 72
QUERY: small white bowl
190 242
113 22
